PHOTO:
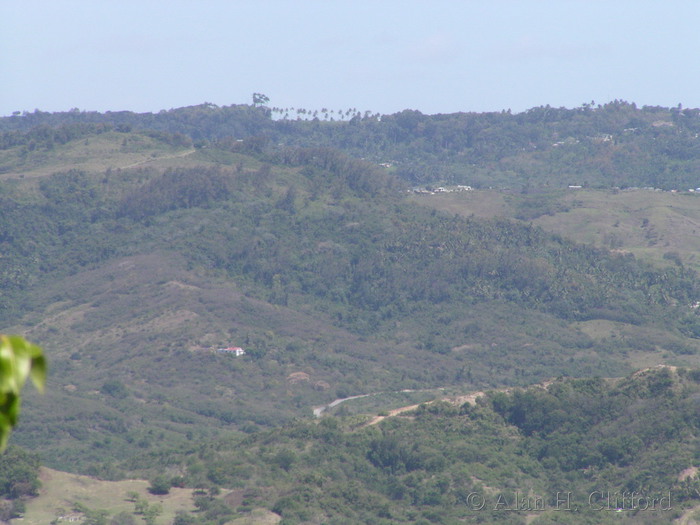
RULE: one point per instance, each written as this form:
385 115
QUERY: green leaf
38 372
19 359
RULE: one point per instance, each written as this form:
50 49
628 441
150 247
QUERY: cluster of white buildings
441 189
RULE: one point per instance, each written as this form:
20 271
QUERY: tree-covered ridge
339 231
545 454
202 122
614 144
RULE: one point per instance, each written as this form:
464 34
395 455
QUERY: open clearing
652 225
60 491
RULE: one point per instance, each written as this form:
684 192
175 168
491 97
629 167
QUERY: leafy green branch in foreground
19 360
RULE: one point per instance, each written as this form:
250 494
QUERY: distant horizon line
327 110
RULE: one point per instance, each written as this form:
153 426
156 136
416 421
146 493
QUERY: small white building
231 350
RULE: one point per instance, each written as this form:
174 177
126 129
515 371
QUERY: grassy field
98 153
649 224
61 491
660 227
481 203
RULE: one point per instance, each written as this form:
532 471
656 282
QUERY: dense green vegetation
19 480
608 145
18 473
133 246
316 264
547 453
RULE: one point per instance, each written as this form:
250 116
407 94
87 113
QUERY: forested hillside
570 451
317 265
562 454
133 247
603 146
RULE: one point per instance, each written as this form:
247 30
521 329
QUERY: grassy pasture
61 491
95 154
652 225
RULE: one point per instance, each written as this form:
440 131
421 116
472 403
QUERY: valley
132 246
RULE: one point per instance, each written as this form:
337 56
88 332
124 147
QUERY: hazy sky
380 55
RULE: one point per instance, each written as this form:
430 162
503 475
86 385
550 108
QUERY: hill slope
568 451
318 266
611 145
657 226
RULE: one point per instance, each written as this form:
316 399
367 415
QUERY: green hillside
95 152
616 144
657 226
131 254
542 455
317 265
567 451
